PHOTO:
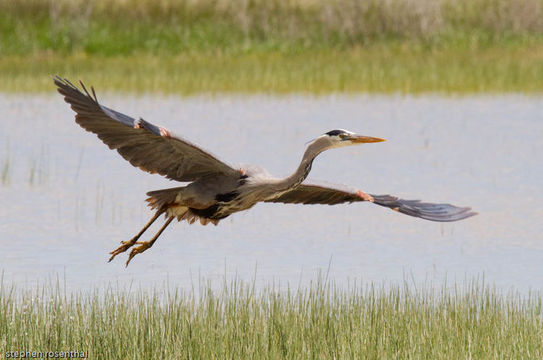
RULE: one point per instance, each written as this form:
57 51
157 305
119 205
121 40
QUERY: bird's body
216 190
211 199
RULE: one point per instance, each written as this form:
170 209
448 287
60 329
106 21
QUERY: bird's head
339 138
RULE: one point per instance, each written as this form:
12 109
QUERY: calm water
67 200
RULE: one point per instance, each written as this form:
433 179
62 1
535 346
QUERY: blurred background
315 46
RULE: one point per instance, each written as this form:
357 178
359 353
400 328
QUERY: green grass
321 322
165 27
310 46
383 69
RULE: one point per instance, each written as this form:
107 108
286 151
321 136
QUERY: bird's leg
128 244
147 244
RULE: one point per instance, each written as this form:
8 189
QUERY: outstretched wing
428 211
147 146
337 194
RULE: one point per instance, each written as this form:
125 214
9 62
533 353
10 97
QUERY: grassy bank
471 321
312 46
383 69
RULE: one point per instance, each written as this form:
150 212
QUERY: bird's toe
144 245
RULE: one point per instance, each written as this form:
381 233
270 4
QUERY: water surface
67 200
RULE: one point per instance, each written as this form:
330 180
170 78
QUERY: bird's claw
120 249
144 245
125 246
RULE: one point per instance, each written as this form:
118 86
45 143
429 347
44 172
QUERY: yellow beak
360 139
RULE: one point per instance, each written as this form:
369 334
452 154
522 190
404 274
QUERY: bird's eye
342 136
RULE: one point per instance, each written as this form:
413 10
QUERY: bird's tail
428 211
160 199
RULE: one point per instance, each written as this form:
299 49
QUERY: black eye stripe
335 132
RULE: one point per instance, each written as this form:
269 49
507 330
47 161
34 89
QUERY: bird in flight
215 190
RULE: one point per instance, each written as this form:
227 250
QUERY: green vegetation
376 70
314 46
323 322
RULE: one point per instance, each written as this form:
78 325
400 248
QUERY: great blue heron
217 190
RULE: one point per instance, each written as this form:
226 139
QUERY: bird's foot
143 245
125 246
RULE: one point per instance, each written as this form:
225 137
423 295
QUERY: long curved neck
303 169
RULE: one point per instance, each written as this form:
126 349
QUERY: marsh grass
320 321
113 27
5 172
40 168
381 69
5 167
316 46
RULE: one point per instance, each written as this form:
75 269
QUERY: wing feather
144 145
336 194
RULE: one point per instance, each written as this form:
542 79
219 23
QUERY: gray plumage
215 189
336 194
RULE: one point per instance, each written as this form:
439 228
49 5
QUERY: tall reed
121 26
323 321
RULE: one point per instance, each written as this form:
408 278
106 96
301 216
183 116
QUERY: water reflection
68 200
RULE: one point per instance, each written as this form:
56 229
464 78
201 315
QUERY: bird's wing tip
464 213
